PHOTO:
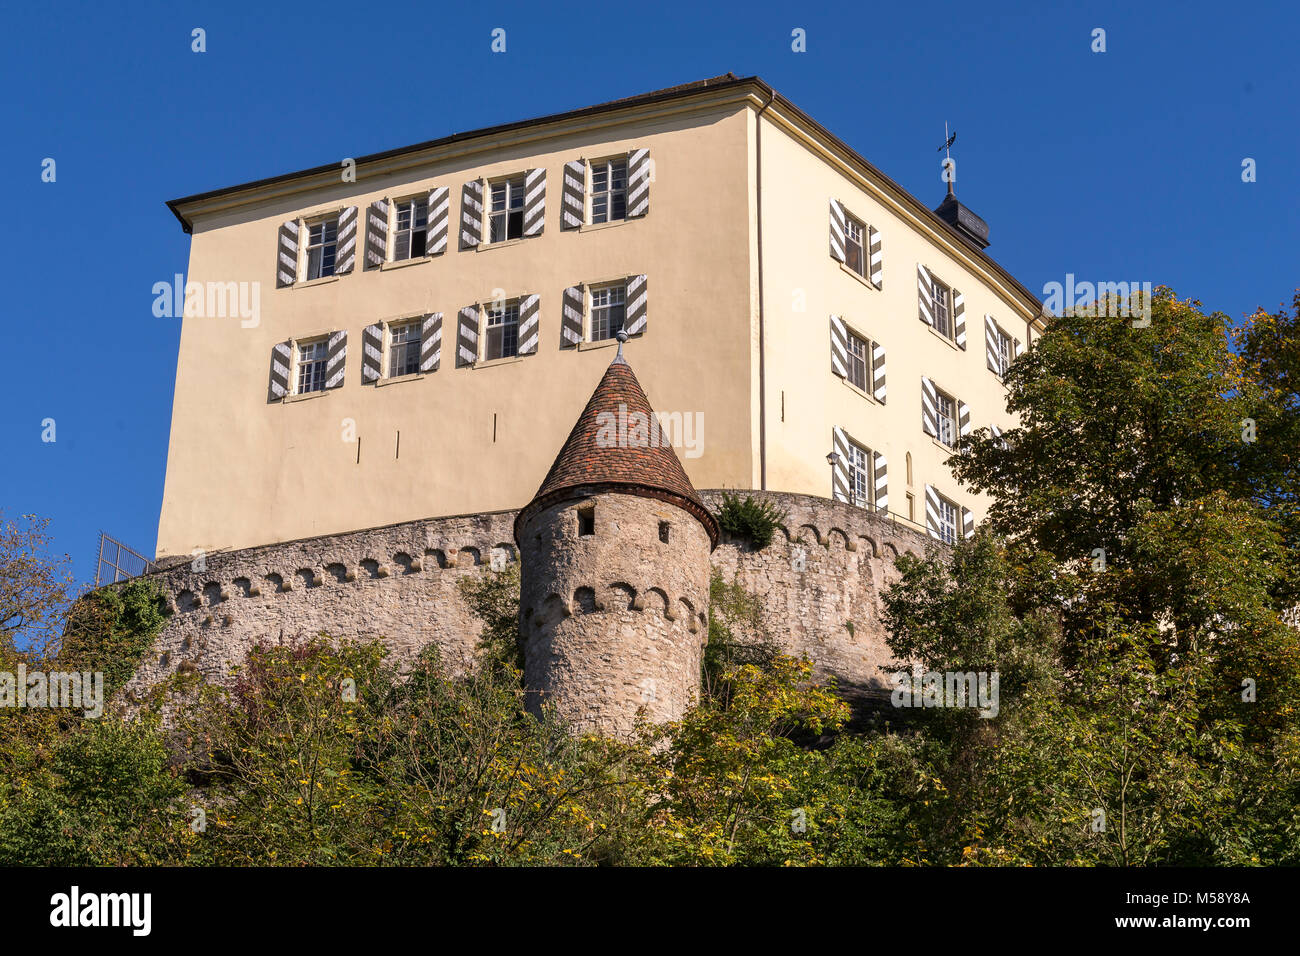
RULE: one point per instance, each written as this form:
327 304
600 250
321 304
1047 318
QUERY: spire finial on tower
947 151
621 335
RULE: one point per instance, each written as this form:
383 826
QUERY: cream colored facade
245 470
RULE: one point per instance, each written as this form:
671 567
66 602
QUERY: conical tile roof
612 449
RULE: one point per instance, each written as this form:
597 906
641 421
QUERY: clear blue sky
1115 166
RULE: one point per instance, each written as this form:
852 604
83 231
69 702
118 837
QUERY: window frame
411 346
321 222
413 202
514 185
610 193
947 506
851 360
865 472
942 399
941 292
592 308
301 364
504 326
850 222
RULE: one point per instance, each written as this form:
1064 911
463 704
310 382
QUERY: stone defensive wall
820 581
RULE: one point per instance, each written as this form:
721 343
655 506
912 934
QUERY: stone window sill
598 344
492 363
403 263
311 283
849 272
306 396
413 377
943 338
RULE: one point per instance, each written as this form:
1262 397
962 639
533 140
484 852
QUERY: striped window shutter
959 319
530 314
281 363
377 234
997 436
638 304
286 258
990 343
932 511
573 200
571 317
925 294
840 476
439 221
929 400
467 336
839 347
878 372
471 214
880 467
1019 349
638 183
431 342
837 231
336 359
534 202
967 523
345 256
372 353
963 419
875 258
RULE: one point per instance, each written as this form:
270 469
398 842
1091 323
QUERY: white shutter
286 259
467 336
638 303
281 363
837 231
571 317
439 221
878 372
880 468
345 251
573 197
925 294
840 474
372 353
336 356
839 347
471 214
638 183
963 419
875 258
376 235
929 401
530 314
431 342
991 351
534 202
967 523
959 319
932 512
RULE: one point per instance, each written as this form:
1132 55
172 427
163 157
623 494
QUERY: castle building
615 526
405 335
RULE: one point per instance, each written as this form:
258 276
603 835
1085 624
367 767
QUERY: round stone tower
614 551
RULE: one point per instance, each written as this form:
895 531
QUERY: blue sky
1123 165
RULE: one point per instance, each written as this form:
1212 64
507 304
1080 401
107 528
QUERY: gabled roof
605 452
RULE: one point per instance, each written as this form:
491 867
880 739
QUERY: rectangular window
854 256
311 366
859 476
608 309
609 190
404 350
506 218
409 241
322 243
945 411
1003 352
947 521
503 331
859 364
942 309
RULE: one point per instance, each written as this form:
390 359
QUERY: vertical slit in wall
782 404
358 449
494 428
397 452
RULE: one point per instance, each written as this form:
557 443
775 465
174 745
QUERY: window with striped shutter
286 255
571 317
573 199
372 353
439 220
467 336
534 202
638 305
281 364
376 234
638 183
471 214
431 342
345 256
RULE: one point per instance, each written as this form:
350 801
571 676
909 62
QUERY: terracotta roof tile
606 451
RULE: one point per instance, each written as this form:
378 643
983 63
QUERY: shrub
754 521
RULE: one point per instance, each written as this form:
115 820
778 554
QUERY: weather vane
946 149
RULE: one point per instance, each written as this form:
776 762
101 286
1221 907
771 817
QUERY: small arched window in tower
586 521
909 469
663 531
